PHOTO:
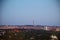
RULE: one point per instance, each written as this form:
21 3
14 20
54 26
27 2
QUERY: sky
24 12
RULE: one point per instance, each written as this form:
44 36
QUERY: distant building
46 28
8 27
50 28
57 29
36 27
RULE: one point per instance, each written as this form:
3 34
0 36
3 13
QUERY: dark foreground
27 34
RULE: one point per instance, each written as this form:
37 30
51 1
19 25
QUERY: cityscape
29 19
29 32
36 27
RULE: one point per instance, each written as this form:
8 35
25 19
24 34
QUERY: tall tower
33 23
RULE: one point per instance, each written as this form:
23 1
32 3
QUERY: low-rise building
58 29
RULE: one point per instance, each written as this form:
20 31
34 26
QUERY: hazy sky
23 12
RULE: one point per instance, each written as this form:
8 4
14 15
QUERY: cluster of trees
29 35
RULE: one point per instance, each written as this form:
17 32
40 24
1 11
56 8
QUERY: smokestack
33 22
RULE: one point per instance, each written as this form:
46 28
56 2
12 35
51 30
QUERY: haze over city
23 12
